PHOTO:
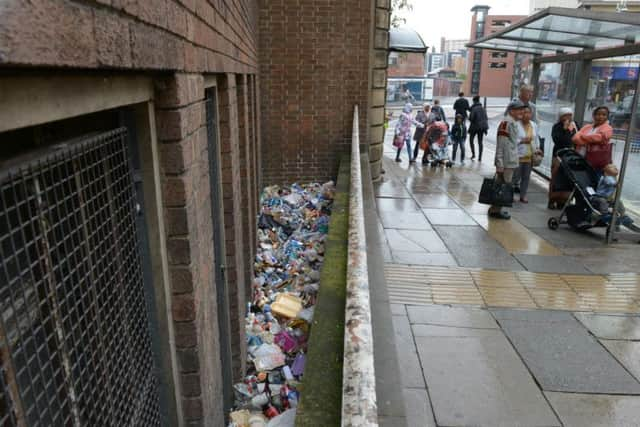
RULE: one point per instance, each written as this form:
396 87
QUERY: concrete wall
179 47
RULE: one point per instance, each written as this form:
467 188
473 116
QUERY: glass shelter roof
560 30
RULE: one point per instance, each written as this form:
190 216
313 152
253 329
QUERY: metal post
582 86
623 166
535 76
485 102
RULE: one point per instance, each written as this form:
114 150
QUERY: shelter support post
584 71
535 78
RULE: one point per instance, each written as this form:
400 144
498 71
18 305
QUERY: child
403 132
459 137
606 190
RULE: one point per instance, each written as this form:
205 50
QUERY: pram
579 211
438 136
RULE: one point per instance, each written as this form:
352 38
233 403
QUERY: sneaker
462 162
473 157
412 161
524 200
398 159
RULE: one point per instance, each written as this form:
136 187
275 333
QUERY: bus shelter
583 59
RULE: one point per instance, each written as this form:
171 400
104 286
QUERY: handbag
398 141
599 155
496 193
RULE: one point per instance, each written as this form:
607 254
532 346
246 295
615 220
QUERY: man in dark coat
461 106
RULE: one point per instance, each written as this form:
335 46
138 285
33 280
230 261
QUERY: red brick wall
187 35
314 66
493 81
176 42
410 64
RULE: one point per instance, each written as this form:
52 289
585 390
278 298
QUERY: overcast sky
452 18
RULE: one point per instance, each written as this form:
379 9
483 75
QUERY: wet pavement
505 323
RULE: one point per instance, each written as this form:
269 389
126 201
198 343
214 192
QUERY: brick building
489 72
135 137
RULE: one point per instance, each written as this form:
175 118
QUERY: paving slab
609 260
515 237
415 241
396 205
567 238
391 189
480 381
418 408
448 217
404 220
398 310
436 201
611 327
551 264
423 258
471 246
585 410
562 355
410 369
627 353
447 331
459 317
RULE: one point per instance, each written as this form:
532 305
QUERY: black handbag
496 194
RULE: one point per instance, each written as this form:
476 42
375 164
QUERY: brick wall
177 43
186 35
410 64
314 66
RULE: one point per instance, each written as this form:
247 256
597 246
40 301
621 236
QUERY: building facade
135 137
538 5
435 61
489 73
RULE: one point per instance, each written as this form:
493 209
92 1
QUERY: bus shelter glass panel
557 88
612 83
409 90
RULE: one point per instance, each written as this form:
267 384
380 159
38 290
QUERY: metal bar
623 167
584 72
535 76
624 50
359 407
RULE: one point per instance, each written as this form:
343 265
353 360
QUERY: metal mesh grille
75 344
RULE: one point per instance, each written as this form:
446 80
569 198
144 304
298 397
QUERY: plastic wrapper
292 227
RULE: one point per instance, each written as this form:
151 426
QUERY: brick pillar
379 61
248 206
253 159
181 130
233 228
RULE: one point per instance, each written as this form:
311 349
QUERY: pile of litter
292 227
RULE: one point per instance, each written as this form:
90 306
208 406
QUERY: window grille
75 345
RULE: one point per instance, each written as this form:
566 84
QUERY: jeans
473 151
455 150
524 174
504 177
407 142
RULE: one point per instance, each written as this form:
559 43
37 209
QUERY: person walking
423 117
593 140
527 148
461 106
506 158
478 126
561 134
403 131
459 137
438 111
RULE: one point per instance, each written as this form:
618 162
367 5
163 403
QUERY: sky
452 18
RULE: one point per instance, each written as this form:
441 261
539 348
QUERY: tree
397 7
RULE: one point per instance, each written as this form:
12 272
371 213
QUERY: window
500 23
393 58
499 54
497 65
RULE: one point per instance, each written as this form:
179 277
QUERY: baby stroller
438 135
579 211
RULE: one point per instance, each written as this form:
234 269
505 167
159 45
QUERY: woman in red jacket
593 141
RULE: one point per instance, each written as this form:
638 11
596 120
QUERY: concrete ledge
321 402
